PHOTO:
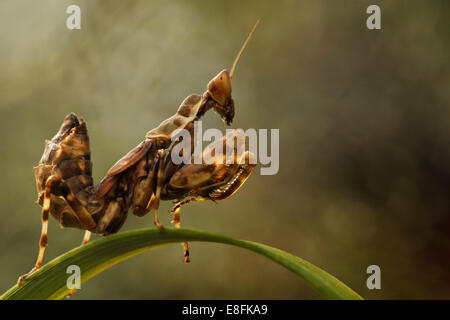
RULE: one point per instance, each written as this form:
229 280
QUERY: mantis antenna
243 47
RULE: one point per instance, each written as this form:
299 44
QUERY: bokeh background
364 119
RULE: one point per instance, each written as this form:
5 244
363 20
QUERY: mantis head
219 88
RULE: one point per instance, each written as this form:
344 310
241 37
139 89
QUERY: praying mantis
142 177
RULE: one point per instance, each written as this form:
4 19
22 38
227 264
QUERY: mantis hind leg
44 230
58 200
178 205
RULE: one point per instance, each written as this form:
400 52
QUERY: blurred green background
364 119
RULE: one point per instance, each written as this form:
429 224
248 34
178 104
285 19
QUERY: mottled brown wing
131 158
126 162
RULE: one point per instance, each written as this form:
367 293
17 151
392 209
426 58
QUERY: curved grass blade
49 282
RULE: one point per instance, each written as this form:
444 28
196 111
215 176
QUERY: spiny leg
44 231
86 238
178 205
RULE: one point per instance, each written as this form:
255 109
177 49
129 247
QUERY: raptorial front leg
178 205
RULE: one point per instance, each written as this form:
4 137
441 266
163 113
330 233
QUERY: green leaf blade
50 281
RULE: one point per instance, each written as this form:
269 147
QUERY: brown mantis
141 178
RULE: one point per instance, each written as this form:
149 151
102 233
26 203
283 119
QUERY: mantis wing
126 162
